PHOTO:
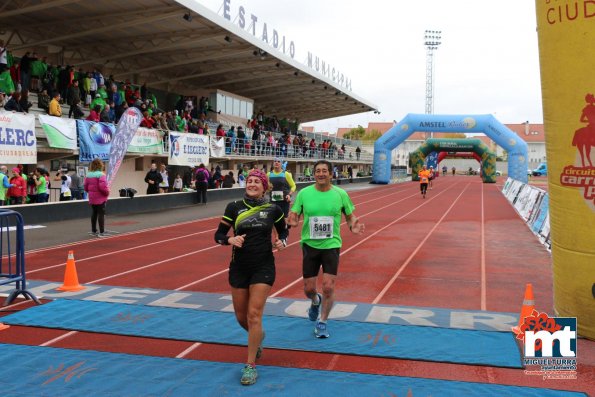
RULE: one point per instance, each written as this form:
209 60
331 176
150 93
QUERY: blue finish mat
363 339
50 372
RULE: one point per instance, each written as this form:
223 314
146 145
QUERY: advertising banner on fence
126 129
146 140
60 132
188 149
566 31
217 146
94 140
18 144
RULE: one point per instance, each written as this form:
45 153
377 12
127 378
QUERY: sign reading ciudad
279 42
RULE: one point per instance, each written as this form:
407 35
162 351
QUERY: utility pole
432 42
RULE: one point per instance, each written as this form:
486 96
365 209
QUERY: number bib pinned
277 195
321 227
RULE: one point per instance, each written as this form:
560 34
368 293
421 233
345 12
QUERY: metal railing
12 255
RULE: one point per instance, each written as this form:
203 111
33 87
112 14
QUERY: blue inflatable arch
487 124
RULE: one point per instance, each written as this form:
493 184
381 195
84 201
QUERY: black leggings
201 192
98 215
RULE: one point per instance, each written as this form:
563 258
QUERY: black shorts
423 186
314 258
243 277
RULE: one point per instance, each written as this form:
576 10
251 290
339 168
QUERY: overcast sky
488 61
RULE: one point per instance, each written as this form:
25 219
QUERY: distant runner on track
322 205
424 178
252 267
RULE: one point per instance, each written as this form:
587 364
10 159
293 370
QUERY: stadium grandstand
186 68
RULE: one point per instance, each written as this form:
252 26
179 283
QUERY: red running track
463 247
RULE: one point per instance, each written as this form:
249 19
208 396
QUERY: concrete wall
79 209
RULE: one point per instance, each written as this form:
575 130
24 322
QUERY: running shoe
249 375
314 310
320 330
101 235
93 234
259 351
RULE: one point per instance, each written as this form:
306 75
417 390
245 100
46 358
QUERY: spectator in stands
160 122
92 87
55 108
358 152
43 101
5 185
13 104
178 183
241 142
76 186
25 70
41 185
3 57
217 177
188 177
98 101
350 173
201 178
2 99
66 181
170 121
229 181
164 184
18 192
153 179
98 191
120 110
94 114
104 116
143 91
114 95
74 99
147 120
231 140
24 101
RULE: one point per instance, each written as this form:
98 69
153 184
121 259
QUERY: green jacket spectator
6 83
98 101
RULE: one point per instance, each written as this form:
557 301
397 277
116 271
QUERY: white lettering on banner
264 33
432 317
188 149
18 144
380 314
121 295
173 300
467 320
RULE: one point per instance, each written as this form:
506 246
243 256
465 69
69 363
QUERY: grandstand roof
153 41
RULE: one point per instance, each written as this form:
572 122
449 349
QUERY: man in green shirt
322 205
41 183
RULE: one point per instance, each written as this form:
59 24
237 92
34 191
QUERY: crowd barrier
532 204
12 255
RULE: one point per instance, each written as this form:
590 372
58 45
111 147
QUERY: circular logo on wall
100 134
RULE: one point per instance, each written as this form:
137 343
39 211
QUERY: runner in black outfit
252 267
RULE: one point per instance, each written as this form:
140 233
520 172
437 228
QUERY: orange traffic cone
71 279
3 326
528 306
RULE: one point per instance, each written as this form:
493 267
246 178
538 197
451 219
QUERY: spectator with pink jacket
98 191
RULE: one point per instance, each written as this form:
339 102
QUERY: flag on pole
127 126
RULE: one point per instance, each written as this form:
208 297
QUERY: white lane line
404 265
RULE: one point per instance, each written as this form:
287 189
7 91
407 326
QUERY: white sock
316 300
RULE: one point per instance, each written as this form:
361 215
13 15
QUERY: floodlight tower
432 42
